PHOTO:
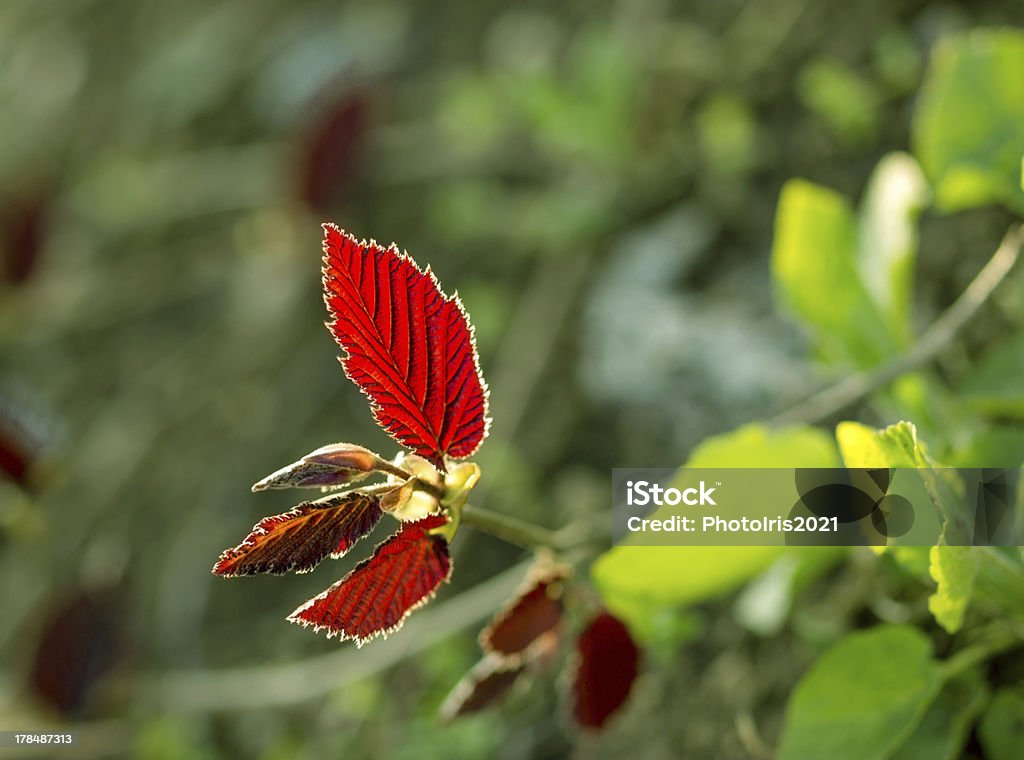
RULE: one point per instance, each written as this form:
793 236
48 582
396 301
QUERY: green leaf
991 446
898 446
863 697
954 569
1002 727
969 125
633 580
896 194
993 386
942 732
756 445
862 446
675 575
765 603
816 277
912 559
848 102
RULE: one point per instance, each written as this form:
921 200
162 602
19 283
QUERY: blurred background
597 180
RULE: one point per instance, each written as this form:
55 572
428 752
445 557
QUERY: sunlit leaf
299 539
898 446
887 240
408 347
817 278
636 580
954 569
380 592
893 446
609 662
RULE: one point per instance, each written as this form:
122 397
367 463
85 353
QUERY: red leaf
535 610
24 442
330 150
23 222
379 593
79 643
298 540
608 664
407 346
487 684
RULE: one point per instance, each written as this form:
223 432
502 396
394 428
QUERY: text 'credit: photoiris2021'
816 506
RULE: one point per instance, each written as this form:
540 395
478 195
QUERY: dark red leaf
407 346
376 597
298 540
78 645
608 664
24 439
535 610
328 159
487 684
490 680
23 221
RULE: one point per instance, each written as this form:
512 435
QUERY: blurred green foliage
600 183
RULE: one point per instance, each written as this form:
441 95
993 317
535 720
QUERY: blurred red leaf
487 684
535 610
380 592
24 439
23 221
15 454
407 346
77 646
608 665
491 679
299 539
330 149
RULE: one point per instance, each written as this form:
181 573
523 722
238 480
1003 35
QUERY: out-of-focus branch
511 529
295 682
942 332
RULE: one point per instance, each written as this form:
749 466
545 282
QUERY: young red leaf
298 540
487 684
408 347
535 610
334 465
380 592
608 665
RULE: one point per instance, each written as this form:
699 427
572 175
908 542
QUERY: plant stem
511 529
941 333
283 684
